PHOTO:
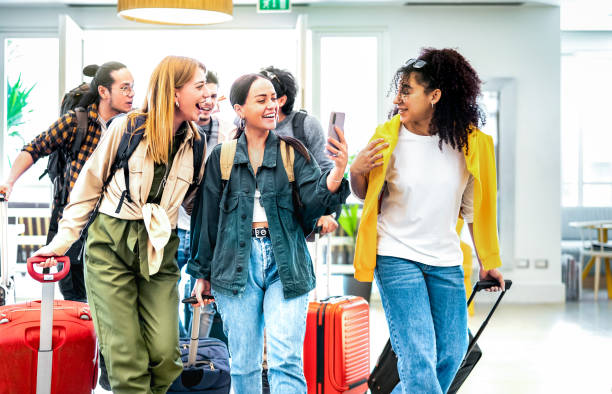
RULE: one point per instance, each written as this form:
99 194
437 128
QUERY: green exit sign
273 6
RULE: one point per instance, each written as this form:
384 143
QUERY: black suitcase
385 377
206 364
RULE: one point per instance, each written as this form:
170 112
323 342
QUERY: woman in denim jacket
248 239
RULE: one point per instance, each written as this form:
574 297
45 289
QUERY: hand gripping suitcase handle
487 284
48 277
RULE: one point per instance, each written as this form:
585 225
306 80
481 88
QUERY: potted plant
16 102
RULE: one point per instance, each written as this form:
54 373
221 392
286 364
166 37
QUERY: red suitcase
337 344
64 360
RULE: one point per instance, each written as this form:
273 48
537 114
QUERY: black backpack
58 166
129 142
58 163
298 126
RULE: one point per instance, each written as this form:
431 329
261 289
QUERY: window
229 53
586 141
349 83
36 81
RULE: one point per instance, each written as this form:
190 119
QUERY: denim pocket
286 211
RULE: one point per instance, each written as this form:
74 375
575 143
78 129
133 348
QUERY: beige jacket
158 219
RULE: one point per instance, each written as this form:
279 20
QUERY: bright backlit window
229 53
586 141
37 89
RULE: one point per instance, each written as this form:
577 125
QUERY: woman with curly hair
423 169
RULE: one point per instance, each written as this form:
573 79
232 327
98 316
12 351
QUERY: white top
259 213
184 220
426 190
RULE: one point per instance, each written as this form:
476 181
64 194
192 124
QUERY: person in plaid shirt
111 93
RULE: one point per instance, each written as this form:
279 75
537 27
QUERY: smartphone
335 119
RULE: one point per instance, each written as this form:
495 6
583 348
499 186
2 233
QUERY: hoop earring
177 104
432 105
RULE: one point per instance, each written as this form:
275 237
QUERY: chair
598 249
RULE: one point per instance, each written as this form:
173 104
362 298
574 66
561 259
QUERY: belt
260 232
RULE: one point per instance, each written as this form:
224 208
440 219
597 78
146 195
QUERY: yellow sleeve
485 201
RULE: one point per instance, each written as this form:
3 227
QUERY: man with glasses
110 94
300 125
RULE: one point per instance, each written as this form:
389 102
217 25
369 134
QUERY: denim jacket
222 217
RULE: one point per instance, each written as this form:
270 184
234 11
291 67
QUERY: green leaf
16 103
349 219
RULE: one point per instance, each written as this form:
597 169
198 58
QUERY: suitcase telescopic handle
487 284
48 277
483 285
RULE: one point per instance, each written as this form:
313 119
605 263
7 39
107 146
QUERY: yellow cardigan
480 161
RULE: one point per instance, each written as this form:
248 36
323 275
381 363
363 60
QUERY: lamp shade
176 12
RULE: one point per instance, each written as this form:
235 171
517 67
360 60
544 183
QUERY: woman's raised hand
369 158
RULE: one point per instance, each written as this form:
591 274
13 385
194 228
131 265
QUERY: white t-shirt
425 191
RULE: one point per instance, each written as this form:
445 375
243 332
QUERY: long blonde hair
172 73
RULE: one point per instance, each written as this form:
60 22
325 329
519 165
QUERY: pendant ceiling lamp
176 12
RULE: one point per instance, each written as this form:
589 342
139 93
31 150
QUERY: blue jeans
244 317
426 311
185 311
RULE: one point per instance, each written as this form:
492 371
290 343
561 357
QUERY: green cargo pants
135 318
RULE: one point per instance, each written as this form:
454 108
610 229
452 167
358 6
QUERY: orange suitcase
337 346
337 343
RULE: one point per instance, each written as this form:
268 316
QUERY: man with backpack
300 125
70 142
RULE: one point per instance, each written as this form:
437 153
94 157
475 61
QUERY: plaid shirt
61 135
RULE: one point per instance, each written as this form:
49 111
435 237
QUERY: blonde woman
131 269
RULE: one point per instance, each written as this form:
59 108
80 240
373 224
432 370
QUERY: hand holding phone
336 119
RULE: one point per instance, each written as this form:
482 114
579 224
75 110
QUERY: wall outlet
541 264
522 263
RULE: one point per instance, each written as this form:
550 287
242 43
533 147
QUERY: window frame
4 35
314 74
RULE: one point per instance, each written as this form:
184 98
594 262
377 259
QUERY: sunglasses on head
415 63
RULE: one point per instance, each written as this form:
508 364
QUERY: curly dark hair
285 85
457 110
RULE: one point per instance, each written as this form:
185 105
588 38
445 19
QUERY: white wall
520 43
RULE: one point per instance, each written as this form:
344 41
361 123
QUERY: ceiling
253 2
575 14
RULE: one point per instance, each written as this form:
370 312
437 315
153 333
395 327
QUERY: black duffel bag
206 364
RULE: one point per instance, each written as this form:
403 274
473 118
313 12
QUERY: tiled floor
560 348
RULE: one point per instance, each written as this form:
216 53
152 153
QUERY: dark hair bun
91 70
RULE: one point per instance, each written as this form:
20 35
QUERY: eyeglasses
126 90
